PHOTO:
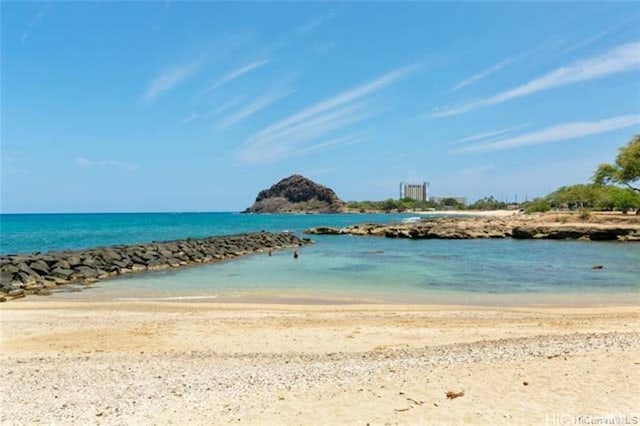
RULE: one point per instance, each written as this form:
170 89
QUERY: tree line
613 187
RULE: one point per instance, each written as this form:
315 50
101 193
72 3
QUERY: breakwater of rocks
40 273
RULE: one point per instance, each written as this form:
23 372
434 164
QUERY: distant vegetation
403 205
407 204
600 195
626 170
592 197
615 187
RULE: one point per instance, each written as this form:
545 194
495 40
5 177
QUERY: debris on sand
454 395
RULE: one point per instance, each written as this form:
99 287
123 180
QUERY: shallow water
342 268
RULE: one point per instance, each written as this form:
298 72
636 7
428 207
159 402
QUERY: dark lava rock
62 264
297 194
40 267
62 273
74 261
86 271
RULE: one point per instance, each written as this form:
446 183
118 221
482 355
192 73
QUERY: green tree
624 199
576 196
488 203
388 205
538 205
626 170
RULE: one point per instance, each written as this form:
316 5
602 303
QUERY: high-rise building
417 192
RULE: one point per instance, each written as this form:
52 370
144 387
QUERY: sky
197 106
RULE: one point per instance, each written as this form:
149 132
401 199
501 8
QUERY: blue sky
176 106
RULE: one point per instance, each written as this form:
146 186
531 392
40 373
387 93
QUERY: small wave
134 299
412 219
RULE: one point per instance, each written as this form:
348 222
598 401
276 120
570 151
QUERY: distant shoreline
483 213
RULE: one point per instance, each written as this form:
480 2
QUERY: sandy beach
72 362
469 213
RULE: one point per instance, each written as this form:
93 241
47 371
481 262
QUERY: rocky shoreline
40 273
472 228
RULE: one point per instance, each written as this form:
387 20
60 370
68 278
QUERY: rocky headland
297 194
521 227
40 273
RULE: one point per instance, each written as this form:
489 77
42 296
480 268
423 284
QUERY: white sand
202 363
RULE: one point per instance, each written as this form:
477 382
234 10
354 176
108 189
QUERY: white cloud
586 42
35 21
485 135
232 75
85 162
332 143
251 108
314 23
170 77
622 58
190 118
299 132
286 142
223 107
482 74
558 133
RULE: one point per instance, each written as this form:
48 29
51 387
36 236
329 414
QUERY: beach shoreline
164 362
109 292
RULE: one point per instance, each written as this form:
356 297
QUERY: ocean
339 269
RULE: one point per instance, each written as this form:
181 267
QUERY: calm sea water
341 267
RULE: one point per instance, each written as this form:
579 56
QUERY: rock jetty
470 228
40 273
297 194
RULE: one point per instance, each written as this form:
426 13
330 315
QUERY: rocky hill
297 194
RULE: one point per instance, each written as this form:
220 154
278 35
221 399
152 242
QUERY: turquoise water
342 267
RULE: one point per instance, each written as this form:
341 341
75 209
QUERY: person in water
295 254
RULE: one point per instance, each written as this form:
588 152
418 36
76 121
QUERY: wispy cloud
85 162
482 74
35 21
190 118
161 14
558 133
170 77
585 42
223 107
314 23
542 49
232 75
334 143
300 130
252 108
622 58
485 135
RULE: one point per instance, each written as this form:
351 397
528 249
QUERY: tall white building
417 192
